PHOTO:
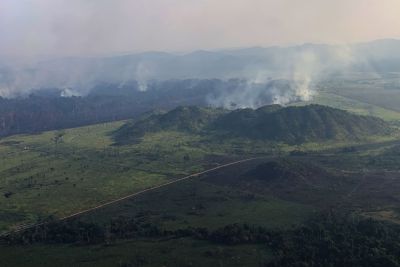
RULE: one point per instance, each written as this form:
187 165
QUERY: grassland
60 172
40 177
193 203
375 94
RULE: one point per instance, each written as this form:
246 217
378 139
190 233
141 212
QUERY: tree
58 138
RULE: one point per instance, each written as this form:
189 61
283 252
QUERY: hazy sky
83 27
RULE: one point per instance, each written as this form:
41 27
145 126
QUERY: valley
176 133
59 173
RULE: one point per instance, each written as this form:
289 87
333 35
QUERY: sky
32 28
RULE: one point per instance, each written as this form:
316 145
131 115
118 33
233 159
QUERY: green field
40 177
43 178
353 105
375 94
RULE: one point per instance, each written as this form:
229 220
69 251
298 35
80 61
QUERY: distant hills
310 123
82 74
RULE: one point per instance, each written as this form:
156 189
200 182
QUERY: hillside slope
300 124
311 123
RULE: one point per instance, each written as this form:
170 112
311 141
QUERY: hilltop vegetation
185 119
311 123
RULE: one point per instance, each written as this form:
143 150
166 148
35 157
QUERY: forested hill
300 124
276 123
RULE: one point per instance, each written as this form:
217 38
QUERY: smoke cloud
293 75
278 75
61 28
74 45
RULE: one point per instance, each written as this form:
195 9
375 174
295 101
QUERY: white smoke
69 92
261 87
306 69
5 92
143 74
248 94
296 79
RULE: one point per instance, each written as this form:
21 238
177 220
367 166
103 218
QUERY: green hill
187 119
311 123
300 124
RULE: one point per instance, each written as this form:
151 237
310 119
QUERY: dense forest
328 239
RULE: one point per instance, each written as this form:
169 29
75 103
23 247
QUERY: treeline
328 240
80 232
35 114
